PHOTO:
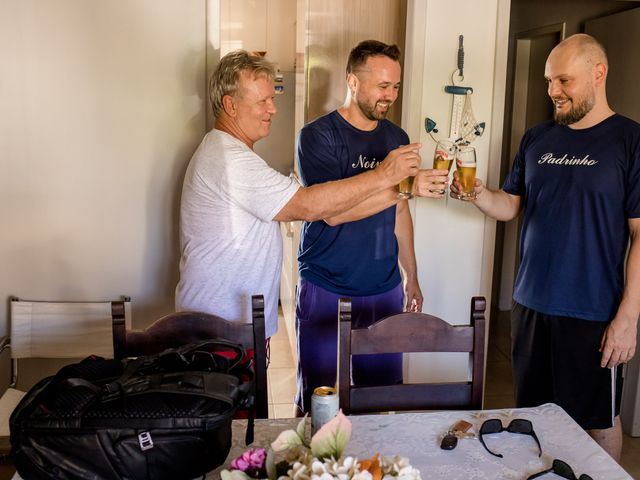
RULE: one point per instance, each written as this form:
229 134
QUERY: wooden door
334 27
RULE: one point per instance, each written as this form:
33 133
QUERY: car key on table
449 441
459 430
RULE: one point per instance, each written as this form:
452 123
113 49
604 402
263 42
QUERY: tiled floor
498 385
281 375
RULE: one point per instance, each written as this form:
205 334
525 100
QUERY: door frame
507 247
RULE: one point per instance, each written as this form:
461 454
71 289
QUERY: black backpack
166 416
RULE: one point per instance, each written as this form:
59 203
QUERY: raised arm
328 199
375 203
426 184
496 204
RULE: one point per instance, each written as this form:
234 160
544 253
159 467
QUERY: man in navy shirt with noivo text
356 254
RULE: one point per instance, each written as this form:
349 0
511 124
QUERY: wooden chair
181 328
64 332
411 332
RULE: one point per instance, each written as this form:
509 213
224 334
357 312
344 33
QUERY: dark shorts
317 339
556 359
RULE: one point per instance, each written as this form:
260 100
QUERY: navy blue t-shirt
579 188
355 258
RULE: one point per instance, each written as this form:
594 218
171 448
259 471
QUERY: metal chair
411 332
60 332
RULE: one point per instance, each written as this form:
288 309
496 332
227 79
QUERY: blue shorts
317 339
556 359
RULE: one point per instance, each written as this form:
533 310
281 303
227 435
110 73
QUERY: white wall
454 242
268 26
102 106
260 25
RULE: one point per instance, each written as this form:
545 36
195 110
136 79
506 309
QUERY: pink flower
257 457
240 463
251 462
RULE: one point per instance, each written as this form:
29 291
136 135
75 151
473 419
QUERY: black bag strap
185 357
248 437
216 345
219 386
80 382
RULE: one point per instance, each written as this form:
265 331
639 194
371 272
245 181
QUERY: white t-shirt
231 246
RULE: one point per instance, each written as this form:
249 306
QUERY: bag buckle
145 441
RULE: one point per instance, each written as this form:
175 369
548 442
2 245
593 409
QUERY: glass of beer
443 156
466 166
405 188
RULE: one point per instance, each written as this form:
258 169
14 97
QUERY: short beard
576 113
370 113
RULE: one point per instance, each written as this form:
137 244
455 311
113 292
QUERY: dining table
417 436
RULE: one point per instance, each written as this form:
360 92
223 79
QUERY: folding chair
181 328
61 332
411 332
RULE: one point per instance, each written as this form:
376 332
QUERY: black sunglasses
563 470
517 425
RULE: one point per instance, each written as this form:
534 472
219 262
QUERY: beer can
324 406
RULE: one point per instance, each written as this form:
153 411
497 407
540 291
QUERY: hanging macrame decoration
464 127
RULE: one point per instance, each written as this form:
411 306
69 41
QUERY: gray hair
225 79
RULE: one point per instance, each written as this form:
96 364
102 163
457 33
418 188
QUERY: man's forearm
498 204
619 341
629 308
404 234
374 204
407 258
325 200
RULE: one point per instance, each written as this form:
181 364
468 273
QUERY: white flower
319 471
330 469
299 471
398 467
365 475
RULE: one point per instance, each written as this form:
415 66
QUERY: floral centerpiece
291 457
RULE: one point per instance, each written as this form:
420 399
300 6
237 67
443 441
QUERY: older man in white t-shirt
232 200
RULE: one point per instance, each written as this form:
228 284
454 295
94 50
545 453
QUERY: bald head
576 73
584 48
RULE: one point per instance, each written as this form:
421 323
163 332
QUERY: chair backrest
63 330
45 329
47 335
181 328
411 332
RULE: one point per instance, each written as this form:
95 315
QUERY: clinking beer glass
443 156
405 188
466 166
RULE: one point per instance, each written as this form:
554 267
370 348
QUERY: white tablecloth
417 436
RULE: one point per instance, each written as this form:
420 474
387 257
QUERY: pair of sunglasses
561 469
517 425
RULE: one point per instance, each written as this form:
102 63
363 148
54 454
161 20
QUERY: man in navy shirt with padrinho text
577 181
